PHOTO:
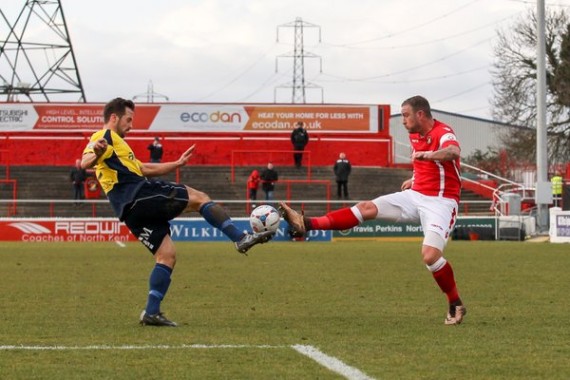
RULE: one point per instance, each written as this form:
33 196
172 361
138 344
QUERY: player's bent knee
368 209
197 196
166 254
432 248
166 258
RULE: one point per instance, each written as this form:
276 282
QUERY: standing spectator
556 181
253 185
430 197
78 177
156 150
268 177
299 139
342 170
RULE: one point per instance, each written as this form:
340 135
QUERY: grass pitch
72 309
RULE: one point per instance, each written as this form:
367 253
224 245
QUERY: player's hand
186 155
99 147
422 156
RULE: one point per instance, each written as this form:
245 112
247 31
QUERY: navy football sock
217 217
158 283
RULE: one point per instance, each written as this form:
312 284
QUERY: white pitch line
331 363
133 347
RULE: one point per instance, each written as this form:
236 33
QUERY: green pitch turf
72 311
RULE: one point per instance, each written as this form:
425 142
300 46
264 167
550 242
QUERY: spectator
299 139
342 170
253 185
156 150
268 177
556 181
78 177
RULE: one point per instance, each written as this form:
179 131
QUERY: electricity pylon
36 55
298 84
150 94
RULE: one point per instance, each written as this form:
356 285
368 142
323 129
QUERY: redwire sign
64 230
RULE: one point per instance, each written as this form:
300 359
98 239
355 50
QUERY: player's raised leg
217 216
341 219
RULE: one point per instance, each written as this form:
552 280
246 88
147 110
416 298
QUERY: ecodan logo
31 228
213 117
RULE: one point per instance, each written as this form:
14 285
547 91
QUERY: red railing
265 156
13 208
288 192
5 160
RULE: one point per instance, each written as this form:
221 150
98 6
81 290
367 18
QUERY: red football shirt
436 178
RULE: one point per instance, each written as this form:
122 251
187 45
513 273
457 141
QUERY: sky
238 51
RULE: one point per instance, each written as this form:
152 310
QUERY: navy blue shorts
155 205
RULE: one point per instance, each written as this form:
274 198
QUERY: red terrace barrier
289 192
483 187
13 208
262 157
62 149
5 161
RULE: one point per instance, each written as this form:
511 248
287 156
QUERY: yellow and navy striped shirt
118 171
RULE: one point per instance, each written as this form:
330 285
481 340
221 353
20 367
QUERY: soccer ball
264 218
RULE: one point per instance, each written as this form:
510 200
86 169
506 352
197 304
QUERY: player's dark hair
418 103
117 106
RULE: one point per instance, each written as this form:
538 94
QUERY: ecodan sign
188 117
46 230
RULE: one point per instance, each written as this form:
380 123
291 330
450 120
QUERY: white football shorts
435 214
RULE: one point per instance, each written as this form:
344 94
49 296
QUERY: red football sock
342 219
446 281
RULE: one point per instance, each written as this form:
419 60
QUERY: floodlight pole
543 194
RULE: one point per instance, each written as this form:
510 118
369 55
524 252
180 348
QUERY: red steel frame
268 158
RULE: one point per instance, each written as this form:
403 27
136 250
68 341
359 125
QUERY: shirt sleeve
89 148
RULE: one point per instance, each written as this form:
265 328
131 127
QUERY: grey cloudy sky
372 51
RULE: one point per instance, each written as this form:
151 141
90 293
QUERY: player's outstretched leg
217 217
294 219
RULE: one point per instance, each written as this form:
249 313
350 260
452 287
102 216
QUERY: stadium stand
52 183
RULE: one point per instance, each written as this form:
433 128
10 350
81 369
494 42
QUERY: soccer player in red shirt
430 197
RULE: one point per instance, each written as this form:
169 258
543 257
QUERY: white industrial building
473 133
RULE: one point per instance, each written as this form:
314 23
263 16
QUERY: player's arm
449 153
93 151
150 169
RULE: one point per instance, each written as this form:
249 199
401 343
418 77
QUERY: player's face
124 123
410 119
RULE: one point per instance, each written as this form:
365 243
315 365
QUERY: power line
239 76
419 26
428 42
413 68
446 76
